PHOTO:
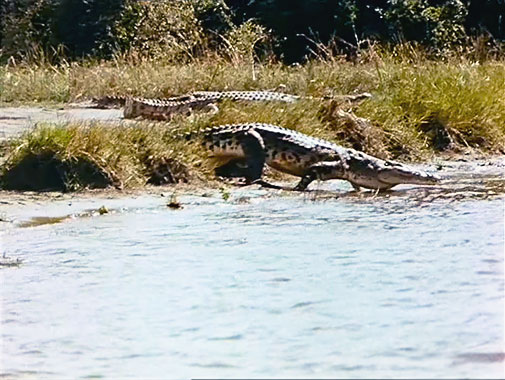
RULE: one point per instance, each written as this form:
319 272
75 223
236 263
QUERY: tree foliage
438 24
182 28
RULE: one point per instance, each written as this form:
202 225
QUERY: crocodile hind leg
233 168
251 166
322 170
254 155
238 168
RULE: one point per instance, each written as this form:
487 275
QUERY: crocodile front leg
322 170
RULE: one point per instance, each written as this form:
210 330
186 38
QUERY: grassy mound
74 157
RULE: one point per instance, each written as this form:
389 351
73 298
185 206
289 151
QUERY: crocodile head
393 173
373 173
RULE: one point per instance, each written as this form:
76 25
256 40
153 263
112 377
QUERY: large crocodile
248 147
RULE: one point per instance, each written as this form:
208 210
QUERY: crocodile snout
404 174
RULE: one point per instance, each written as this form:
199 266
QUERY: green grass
467 98
413 100
129 156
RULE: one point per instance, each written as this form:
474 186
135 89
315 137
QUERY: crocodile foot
267 185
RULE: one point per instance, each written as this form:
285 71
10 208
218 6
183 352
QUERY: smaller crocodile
268 96
165 108
156 109
248 96
246 148
119 101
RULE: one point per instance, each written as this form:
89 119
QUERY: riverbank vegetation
438 82
76 156
419 108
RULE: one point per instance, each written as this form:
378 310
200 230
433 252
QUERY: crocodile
268 96
165 108
246 148
157 109
248 96
119 101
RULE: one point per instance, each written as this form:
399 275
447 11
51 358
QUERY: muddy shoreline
461 180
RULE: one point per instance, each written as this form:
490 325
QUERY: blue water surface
259 286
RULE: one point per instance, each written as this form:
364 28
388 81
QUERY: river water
259 283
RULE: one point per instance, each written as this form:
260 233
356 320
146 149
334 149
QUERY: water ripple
474 357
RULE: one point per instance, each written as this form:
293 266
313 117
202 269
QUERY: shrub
167 29
242 40
439 26
26 27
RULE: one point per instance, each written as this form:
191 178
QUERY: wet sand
477 179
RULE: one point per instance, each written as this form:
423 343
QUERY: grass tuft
73 157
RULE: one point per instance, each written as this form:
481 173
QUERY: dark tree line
434 23
78 25
86 27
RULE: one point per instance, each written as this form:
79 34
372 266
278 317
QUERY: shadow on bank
48 172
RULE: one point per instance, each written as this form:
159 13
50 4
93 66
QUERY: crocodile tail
191 135
109 101
197 133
